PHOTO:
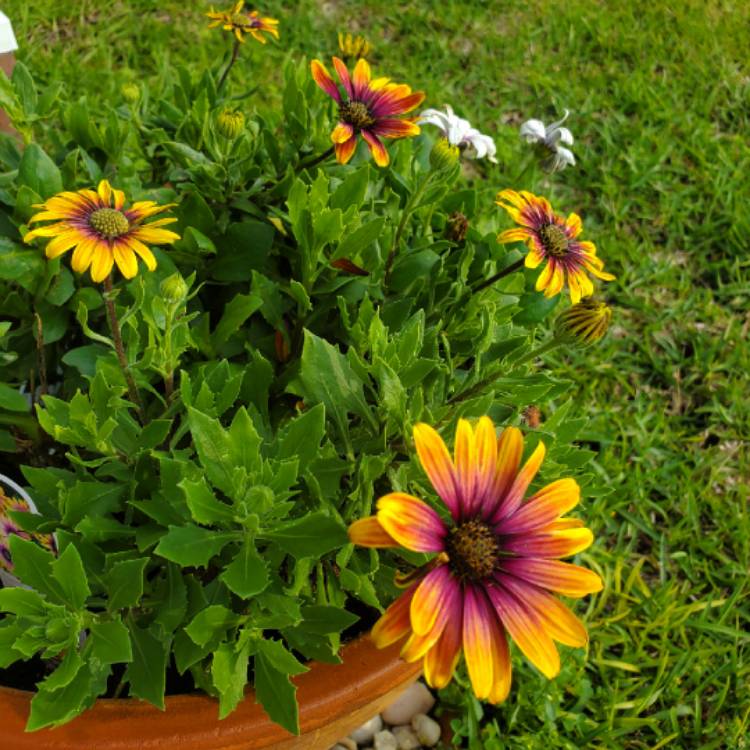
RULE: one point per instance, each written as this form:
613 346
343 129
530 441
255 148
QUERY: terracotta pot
334 700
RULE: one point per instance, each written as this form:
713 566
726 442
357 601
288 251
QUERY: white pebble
416 699
427 729
385 741
339 746
406 738
345 744
367 731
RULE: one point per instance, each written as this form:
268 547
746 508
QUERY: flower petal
485 441
105 192
440 661
102 261
395 623
552 544
345 151
527 630
437 464
411 522
501 666
521 483
575 225
435 595
478 623
83 254
555 575
377 149
342 132
145 233
343 73
465 462
509 452
388 127
368 532
142 251
517 234
323 78
360 78
125 259
63 242
547 505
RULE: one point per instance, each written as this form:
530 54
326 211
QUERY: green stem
114 326
512 268
553 343
408 209
313 162
235 55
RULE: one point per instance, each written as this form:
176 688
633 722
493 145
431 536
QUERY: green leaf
323 620
301 437
51 708
247 574
245 249
33 566
310 536
154 433
24 602
38 172
110 643
191 545
84 358
535 307
65 672
68 571
12 400
328 378
353 244
275 691
236 312
124 583
204 507
210 624
229 675
147 672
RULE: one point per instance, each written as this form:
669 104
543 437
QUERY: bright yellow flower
243 22
554 240
102 231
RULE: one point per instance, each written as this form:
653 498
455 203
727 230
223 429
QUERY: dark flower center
473 549
356 114
109 222
555 240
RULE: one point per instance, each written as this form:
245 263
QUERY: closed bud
444 155
584 323
458 226
230 123
130 92
173 289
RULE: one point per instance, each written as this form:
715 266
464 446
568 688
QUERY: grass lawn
659 94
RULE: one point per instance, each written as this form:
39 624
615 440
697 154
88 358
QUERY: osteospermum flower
551 136
586 323
554 240
367 107
8 527
459 132
102 231
241 22
496 561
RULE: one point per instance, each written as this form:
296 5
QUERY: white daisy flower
551 136
459 132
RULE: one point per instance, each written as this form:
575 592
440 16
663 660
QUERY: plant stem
41 358
543 349
316 160
235 55
114 326
408 208
512 268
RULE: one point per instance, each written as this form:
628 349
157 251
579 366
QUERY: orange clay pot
334 700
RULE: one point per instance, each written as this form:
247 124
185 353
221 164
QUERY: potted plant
218 334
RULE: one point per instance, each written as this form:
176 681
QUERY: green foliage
279 388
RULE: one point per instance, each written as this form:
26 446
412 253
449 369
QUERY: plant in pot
222 339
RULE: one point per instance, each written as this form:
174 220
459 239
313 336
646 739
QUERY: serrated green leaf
210 623
147 672
310 536
124 583
203 504
247 574
68 571
322 620
109 643
229 675
301 437
12 400
192 545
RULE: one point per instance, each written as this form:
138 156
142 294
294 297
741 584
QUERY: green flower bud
230 123
174 289
584 323
130 92
444 155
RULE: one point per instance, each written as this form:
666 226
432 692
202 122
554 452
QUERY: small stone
406 738
385 741
339 746
346 744
427 729
367 731
416 699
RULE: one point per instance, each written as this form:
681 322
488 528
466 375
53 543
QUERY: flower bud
130 92
354 47
173 289
230 123
444 155
584 323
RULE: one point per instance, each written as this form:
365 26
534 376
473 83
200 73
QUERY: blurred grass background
659 94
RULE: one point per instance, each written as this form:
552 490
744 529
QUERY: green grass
659 96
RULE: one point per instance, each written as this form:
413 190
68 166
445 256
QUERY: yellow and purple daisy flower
102 231
241 22
553 239
496 561
8 504
368 107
